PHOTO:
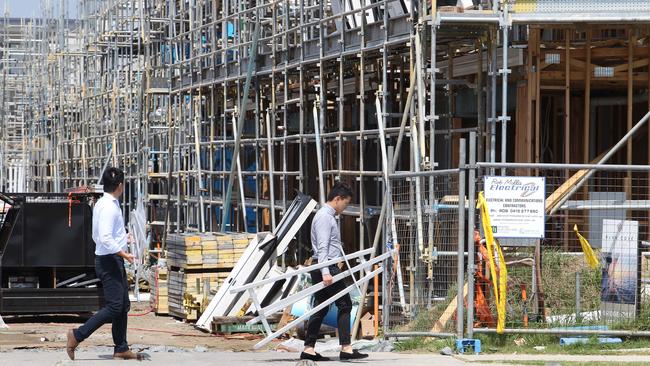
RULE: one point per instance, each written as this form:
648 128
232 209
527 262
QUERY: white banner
516 206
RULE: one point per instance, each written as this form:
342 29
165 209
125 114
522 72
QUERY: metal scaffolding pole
504 71
252 55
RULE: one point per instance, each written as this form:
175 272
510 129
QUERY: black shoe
316 357
355 355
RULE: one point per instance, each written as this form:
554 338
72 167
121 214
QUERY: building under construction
294 93
219 111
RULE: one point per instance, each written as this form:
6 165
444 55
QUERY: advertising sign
620 243
516 206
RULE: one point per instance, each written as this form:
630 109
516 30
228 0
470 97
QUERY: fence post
386 299
471 202
578 295
460 280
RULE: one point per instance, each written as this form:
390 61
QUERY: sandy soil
27 332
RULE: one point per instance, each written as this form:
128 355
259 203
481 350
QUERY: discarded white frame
292 324
223 303
308 291
299 271
315 288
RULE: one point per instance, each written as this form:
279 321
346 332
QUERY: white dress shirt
108 226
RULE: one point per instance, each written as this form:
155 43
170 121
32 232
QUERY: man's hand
128 256
327 279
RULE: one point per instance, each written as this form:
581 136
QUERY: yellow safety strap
590 256
492 244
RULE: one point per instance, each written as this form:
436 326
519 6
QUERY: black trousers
344 305
110 270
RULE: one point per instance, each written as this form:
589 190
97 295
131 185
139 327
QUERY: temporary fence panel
558 289
428 250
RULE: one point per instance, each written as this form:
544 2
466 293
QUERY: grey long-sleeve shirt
325 236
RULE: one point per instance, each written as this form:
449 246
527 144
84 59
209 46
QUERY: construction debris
368 326
258 260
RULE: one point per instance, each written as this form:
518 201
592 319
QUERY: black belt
331 265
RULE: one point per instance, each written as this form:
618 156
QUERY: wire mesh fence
550 284
425 211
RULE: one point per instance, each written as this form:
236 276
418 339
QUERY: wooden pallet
234 324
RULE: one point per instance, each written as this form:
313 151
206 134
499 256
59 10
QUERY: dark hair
111 179
340 189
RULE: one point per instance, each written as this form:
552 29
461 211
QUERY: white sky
32 8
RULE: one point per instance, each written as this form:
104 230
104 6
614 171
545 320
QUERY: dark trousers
110 270
344 305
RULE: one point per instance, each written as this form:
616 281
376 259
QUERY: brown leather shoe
71 345
128 355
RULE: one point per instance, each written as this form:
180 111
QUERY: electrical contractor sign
517 206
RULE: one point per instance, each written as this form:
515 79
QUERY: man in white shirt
110 252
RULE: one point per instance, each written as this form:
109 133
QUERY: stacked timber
207 251
198 265
184 251
231 247
159 291
189 291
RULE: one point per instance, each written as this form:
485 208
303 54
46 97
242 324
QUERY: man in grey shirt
326 245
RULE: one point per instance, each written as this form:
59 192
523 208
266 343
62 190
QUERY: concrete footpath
100 358
216 358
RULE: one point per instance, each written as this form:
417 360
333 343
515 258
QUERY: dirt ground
40 340
34 332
